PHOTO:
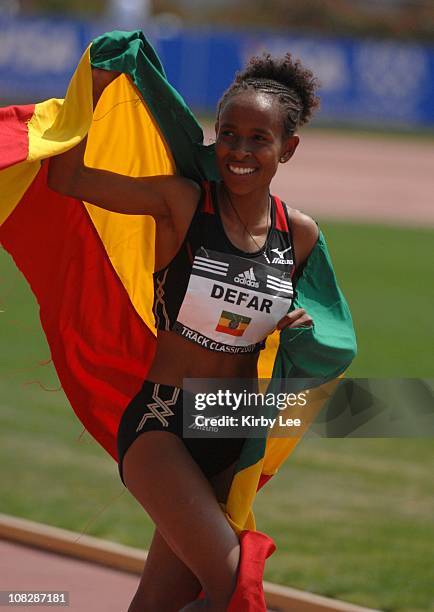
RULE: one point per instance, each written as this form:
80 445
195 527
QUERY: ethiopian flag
91 270
232 324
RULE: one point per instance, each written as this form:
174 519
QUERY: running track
91 587
359 178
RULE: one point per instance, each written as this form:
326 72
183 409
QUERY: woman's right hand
167 198
100 80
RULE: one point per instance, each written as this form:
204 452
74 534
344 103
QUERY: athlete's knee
152 601
213 603
218 579
220 585
163 595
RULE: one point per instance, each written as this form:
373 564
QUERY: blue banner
362 82
38 57
374 82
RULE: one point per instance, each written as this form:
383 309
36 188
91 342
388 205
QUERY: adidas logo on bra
247 278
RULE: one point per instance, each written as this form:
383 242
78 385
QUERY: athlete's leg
166 580
167 584
160 473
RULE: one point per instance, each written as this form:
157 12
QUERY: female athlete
225 258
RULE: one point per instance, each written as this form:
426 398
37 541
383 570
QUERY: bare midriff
177 358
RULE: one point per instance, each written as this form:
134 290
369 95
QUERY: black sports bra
218 296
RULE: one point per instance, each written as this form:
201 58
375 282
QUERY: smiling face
250 141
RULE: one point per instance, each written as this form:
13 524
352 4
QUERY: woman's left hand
296 318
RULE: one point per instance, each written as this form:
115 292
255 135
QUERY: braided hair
294 86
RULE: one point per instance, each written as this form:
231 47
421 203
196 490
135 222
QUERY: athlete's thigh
166 580
160 473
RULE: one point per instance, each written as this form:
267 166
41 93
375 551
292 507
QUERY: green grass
386 275
352 519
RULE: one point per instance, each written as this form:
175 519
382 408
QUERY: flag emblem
232 324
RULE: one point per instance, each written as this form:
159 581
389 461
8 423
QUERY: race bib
232 303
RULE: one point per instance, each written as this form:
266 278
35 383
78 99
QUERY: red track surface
92 588
359 178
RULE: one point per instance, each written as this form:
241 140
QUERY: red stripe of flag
228 330
14 141
100 346
264 478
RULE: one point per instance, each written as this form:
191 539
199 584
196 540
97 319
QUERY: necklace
246 229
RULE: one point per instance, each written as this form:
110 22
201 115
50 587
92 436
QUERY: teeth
237 170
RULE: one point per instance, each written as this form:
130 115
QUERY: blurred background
374 58
353 518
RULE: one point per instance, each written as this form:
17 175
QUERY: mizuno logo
280 256
247 278
281 253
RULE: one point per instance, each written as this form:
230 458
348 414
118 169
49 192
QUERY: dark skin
157 468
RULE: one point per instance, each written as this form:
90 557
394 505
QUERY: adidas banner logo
247 278
210 265
279 284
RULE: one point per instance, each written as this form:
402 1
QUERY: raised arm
153 195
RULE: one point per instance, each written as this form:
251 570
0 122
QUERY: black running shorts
158 407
